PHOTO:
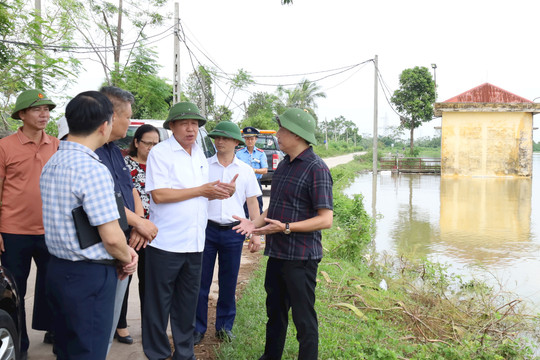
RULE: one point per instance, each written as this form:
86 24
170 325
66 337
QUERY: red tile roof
487 93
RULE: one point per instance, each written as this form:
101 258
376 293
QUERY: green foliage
240 80
101 22
338 129
303 96
429 142
198 89
263 120
426 312
336 148
19 69
414 98
153 96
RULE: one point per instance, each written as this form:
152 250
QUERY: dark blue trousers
82 296
172 285
20 249
228 245
290 284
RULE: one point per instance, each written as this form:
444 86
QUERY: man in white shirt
220 238
177 179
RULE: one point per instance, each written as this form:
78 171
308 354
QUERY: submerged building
486 131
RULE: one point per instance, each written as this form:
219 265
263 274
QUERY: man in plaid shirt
301 205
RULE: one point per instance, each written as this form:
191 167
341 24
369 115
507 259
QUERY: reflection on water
482 217
477 225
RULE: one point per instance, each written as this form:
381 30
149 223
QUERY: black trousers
172 290
20 250
290 284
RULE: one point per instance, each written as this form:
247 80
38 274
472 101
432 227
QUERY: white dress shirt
222 211
181 224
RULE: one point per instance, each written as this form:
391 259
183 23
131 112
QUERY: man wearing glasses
22 157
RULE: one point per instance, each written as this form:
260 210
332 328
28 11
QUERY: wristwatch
287 230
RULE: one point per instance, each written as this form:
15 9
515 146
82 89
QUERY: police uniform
257 160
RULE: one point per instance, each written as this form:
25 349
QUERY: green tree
303 96
28 35
414 99
153 95
219 113
102 25
264 102
240 81
261 111
198 89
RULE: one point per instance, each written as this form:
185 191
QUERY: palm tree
304 96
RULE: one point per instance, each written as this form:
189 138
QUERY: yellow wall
486 144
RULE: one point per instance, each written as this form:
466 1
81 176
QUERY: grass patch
372 307
336 148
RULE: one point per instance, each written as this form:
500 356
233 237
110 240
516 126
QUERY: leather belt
102 262
227 226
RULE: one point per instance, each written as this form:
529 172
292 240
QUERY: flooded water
487 227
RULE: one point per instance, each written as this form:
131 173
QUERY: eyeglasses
148 143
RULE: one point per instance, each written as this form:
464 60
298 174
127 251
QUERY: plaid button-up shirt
299 189
75 176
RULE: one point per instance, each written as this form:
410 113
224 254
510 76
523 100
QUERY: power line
73 49
385 89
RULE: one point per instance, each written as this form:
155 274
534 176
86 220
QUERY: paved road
40 351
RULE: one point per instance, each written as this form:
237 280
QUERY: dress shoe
123 339
48 338
225 335
197 338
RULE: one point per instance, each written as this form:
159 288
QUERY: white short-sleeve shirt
222 211
181 224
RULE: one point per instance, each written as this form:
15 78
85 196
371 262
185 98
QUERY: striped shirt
75 176
299 189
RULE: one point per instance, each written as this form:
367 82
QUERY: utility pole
176 63
375 115
326 133
38 80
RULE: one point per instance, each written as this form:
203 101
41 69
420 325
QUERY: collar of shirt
25 139
176 146
304 155
214 159
69 145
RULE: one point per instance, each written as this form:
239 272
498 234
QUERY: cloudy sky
472 42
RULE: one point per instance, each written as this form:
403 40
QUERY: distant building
486 131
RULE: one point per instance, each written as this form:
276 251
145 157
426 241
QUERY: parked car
267 141
10 317
202 140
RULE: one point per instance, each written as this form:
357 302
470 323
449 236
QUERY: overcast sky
472 42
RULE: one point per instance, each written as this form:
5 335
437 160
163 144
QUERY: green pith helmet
229 130
299 122
31 98
183 111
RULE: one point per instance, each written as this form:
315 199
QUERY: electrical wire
73 49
